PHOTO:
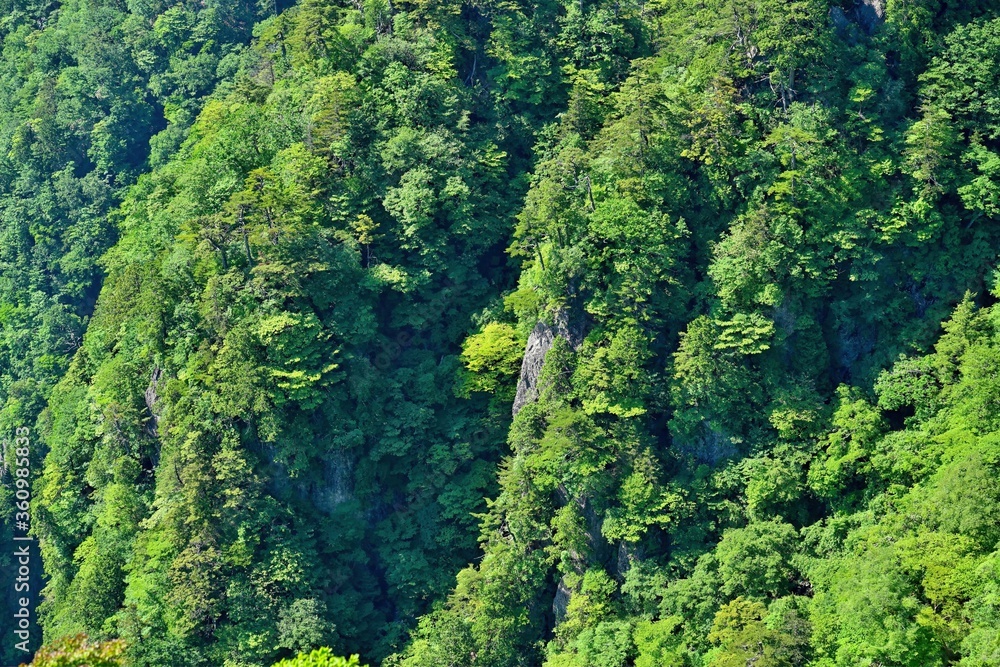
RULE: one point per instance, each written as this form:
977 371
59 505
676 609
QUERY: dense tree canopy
273 276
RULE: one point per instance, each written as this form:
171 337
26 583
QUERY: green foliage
755 561
269 270
79 651
321 657
741 450
492 359
744 638
280 328
658 643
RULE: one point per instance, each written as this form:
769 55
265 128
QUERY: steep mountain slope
781 201
704 249
262 444
89 92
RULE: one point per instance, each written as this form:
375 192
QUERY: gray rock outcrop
152 401
570 325
866 14
539 343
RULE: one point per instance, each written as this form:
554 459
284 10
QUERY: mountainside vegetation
633 333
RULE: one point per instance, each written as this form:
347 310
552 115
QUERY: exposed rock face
866 14
326 492
839 19
336 487
568 327
627 555
710 448
152 398
869 14
571 326
539 344
561 600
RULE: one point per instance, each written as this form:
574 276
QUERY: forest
501 333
